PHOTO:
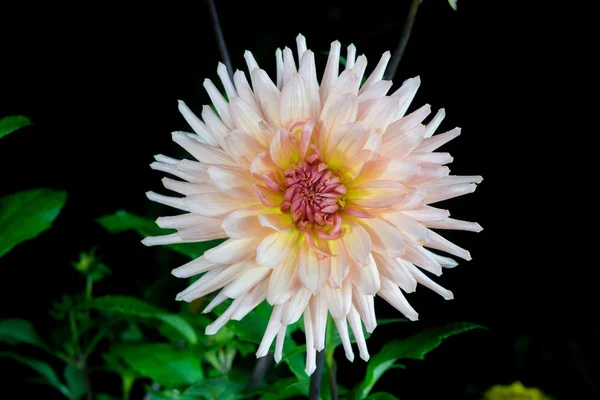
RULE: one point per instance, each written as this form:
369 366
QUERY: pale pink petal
308 72
344 144
202 152
279 344
431 158
284 282
245 223
311 353
226 81
379 116
246 119
277 222
339 264
365 305
355 324
301 45
435 122
187 188
330 75
378 72
350 56
445 262
252 275
267 196
360 67
185 221
400 143
366 279
377 193
211 281
216 204
428 173
204 135
396 271
342 327
427 213
219 103
440 243
250 61
232 250
295 306
256 296
232 183
279 68
357 243
385 238
195 267
455 224
163 239
413 119
267 94
271 331
215 125
391 293
209 230
312 272
407 226
419 256
338 300
175 202
406 94
245 92
339 116
289 66
273 249
433 143
318 312
223 318
219 299
294 103
387 169
284 149
428 283
441 193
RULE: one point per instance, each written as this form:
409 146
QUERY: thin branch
220 38
408 26
315 379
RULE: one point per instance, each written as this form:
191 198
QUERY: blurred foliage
12 123
516 391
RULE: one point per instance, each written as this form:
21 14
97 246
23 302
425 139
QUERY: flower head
322 191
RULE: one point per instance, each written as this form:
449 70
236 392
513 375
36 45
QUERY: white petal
209 230
358 243
440 243
396 271
175 202
226 81
272 330
413 119
308 72
435 122
426 213
342 327
385 238
183 221
223 318
195 267
392 294
187 188
455 224
279 343
283 282
338 265
366 279
407 226
311 353
289 66
250 61
331 71
268 96
215 125
247 119
295 306
252 275
441 193
350 56
437 141
365 305
245 92
312 272
294 101
219 102
355 324
197 125
244 223
378 72
273 249
406 94
427 282
338 301
251 300
211 281
399 142
232 250
318 312
419 256
203 152
279 68
277 222
216 204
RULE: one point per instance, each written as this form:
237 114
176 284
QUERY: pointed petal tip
365 357
146 242
449 296
310 369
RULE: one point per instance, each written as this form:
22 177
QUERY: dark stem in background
315 379
332 381
260 370
408 25
220 37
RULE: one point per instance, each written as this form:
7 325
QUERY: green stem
128 381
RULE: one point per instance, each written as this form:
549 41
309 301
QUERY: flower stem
220 37
408 25
260 370
315 378
329 360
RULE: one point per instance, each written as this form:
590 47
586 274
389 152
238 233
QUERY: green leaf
382 396
414 347
453 4
130 306
13 331
47 373
219 388
132 333
12 123
162 362
285 389
24 215
252 327
75 382
122 221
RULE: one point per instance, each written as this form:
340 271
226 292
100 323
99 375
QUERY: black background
101 85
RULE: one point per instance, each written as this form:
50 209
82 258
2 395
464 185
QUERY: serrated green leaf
13 331
131 306
414 347
219 388
161 362
122 221
382 396
47 373
24 215
12 123
75 382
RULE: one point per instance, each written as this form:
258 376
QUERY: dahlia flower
323 192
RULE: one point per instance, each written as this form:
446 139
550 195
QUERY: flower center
313 194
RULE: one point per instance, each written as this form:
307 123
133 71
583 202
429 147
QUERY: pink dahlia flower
323 192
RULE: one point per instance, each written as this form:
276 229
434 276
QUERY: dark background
101 85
